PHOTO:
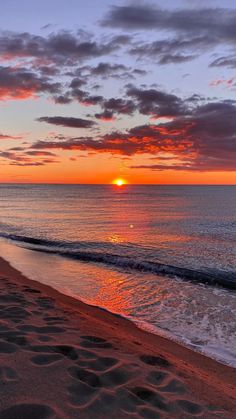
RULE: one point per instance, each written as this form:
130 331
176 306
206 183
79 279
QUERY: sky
97 90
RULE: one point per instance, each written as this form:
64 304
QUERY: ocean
162 256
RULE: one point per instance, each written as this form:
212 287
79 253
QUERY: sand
60 358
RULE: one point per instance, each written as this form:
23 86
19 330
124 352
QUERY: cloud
189 31
77 82
105 116
109 107
64 47
225 82
169 51
25 158
227 61
37 153
67 121
9 137
119 106
156 102
204 139
218 22
141 139
199 166
107 70
20 83
84 97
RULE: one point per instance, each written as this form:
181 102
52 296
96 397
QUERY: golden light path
119 182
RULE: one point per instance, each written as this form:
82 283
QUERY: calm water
134 250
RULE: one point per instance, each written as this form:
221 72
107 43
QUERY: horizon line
112 184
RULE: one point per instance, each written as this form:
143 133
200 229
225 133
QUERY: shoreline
208 380
142 325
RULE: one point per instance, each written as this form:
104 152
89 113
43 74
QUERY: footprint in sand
85 355
146 413
116 377
52 320
4 328
151 397
42 329
45 303
85 376
15 314
105 403
8 374
28 411
12 298
95 342
45 338
155 360
157 377
81 394
32 290
7 348
65 350
189 407
127 401
15 337
100 363
46 359
174 386
91 360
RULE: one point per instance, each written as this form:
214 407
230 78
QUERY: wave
101 253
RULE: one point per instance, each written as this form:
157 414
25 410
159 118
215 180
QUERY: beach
61 358
117 209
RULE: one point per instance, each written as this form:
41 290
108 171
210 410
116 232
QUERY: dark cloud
116 71
84 97
67 121
138 140
77 83
228 61
40 153
218 22
175 58
204 140
48 70
64 48
170 51
63 99
139 72
25 158
20 83
106 69
190 31
119 106
156 102
105 115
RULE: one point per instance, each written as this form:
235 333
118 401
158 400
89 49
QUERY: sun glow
119 182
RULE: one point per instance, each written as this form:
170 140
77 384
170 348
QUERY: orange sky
100 170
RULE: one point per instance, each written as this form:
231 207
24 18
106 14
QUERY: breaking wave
100 252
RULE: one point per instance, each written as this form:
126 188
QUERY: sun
119 182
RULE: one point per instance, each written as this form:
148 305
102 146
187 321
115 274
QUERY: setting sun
119 182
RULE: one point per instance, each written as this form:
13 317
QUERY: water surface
145 252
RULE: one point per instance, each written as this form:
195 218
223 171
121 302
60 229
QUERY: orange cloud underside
6 94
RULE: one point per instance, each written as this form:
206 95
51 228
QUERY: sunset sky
96 90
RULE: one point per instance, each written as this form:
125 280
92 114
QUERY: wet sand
60 358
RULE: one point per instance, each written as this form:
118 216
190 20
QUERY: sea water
162 256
